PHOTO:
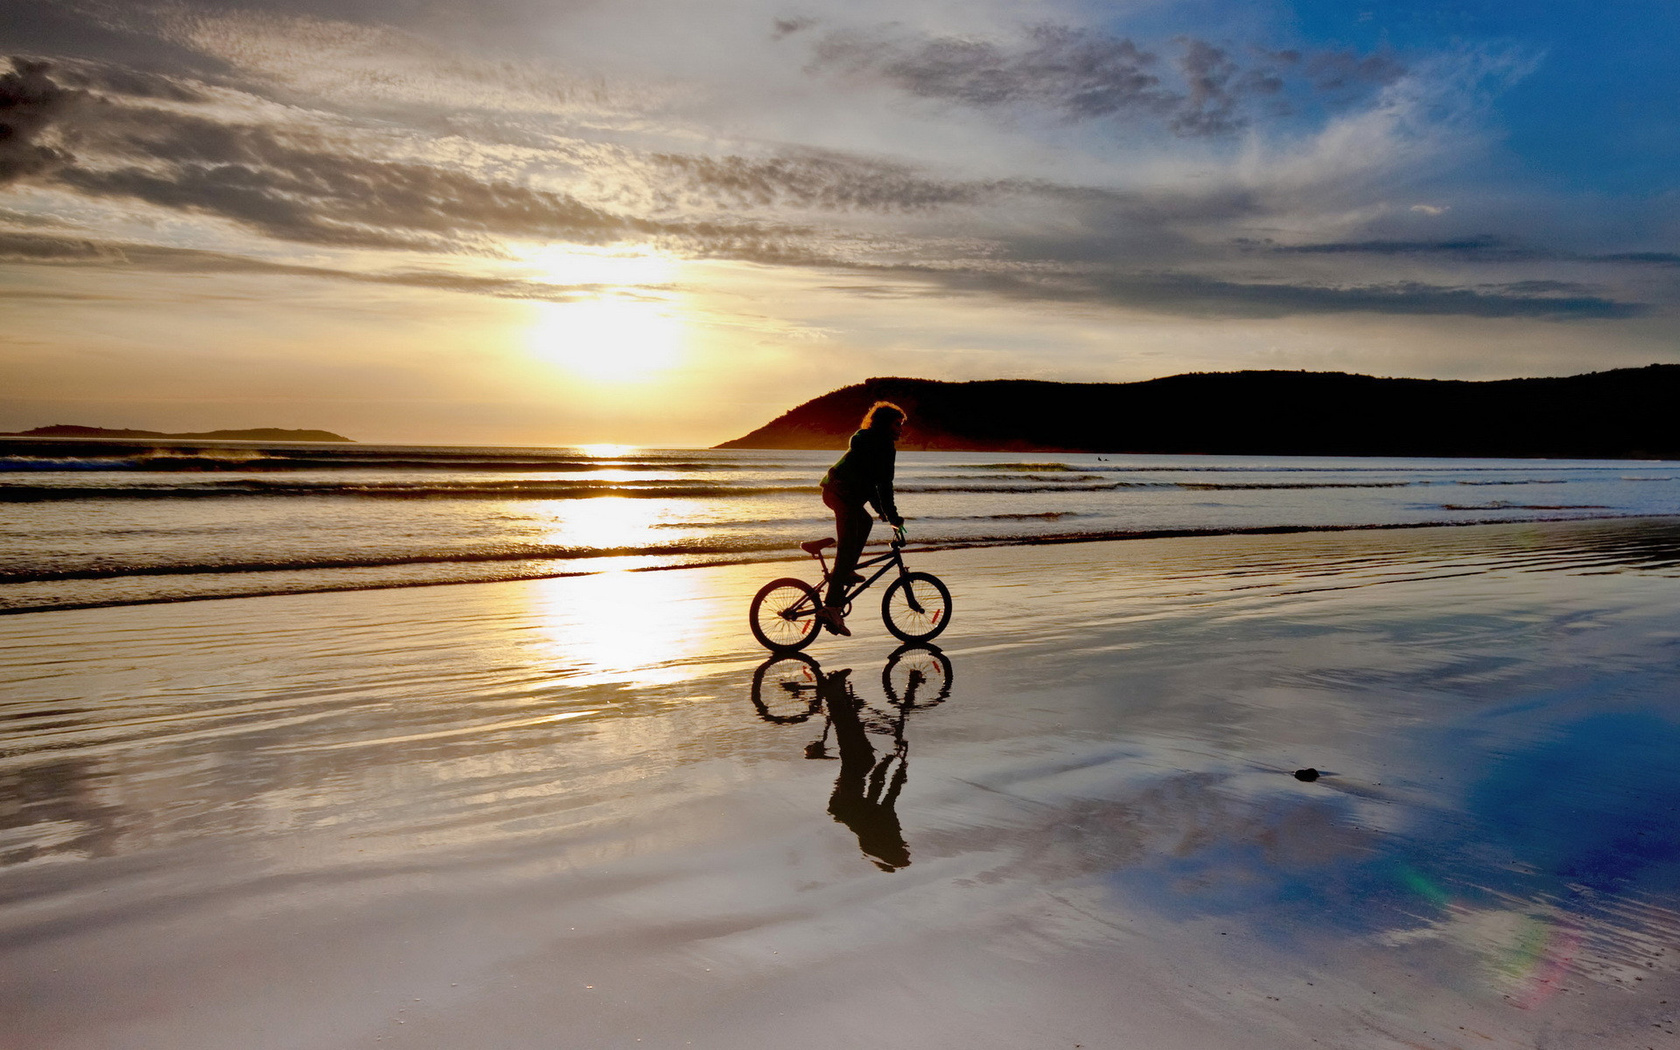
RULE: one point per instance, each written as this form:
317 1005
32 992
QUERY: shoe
850 578
832 619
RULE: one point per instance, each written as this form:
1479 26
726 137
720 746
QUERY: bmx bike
916 606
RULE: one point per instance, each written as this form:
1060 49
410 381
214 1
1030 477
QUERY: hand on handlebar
899 534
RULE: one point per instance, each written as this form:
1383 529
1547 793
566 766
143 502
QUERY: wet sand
551 813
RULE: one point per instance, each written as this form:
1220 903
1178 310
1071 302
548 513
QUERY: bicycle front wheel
916 607
784 615
917 675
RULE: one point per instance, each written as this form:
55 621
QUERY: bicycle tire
787 676
917 607
916 676
783 616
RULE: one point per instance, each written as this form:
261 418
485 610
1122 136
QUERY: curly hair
881 413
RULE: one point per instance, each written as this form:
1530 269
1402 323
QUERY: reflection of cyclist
864 475
863 797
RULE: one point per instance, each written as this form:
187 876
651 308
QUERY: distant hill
67 430
1626 413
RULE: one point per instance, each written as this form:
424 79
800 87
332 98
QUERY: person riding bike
863 476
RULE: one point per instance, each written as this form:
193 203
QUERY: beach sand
550 813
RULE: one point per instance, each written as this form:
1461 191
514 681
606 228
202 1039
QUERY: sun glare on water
632 627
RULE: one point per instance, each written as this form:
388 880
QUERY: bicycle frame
893 558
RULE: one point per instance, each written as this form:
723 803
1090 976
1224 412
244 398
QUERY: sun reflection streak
618 625
607 522
638 628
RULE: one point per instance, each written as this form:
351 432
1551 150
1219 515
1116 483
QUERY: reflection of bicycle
915 607
916 676
786 689
792 687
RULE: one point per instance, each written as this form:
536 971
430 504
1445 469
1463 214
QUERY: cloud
366 65
1485 247
79 251
1185 294
1085 74
31 102
258 159
820 179
35 247
1649 258
784 27
1348 70
104 78
298 185
304 184
1081 73
1195 295
1210 106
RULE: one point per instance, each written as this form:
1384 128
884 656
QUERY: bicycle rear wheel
784 615
784 688
916 607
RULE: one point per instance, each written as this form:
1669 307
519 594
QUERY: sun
609 340
618 320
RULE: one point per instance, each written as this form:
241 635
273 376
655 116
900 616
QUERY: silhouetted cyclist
863 476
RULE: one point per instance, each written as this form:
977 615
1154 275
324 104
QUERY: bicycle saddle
813 546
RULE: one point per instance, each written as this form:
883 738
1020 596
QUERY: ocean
96 523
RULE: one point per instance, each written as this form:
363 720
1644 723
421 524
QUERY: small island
74 432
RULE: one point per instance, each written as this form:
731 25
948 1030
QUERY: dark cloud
1652 258
785 27
1482 245
297 185
31 102
1196 295
1348 70
1087 75
1571 289
1487 248
1183 294
131 83
1210 106
36 247
814 179
300 183
1082 73
117 32
42 248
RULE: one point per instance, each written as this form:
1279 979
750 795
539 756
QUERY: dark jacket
865 473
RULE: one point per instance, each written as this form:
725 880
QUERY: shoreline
554 814
910 549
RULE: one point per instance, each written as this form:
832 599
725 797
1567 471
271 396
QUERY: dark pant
851 527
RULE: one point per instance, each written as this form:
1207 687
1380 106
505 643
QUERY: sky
665 222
